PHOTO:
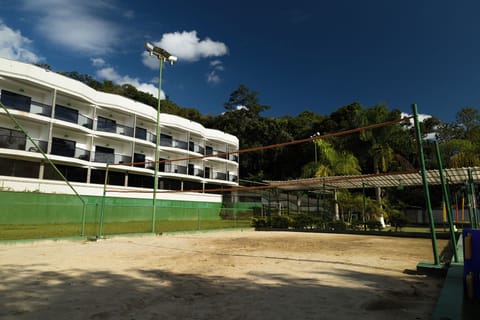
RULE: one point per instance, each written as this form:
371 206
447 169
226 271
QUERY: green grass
64 230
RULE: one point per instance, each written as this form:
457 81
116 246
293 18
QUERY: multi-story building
81 130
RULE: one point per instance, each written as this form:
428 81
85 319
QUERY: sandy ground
219 275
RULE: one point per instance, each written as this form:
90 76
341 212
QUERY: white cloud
213 76
98 62
187 46
75 25
111 74
15 46
217 64
421 117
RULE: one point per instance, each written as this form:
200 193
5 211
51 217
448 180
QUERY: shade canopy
382 180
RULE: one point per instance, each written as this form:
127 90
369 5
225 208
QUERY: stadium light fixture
162 56
160 53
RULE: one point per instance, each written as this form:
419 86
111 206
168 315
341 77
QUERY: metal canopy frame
382 180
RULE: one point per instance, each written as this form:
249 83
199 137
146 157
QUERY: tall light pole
162 56
315 143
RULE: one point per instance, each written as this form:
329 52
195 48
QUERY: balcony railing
198 172
78 153
180 144
20 103
106 157
220 175
82 154
41 109
124 130
115 128
85 121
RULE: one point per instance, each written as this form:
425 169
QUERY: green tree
332 162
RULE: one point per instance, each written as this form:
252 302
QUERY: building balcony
20 102
107 157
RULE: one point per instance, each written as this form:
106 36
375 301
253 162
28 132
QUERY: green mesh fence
28 215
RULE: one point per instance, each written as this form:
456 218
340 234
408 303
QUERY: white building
81 130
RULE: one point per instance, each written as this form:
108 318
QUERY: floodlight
160 53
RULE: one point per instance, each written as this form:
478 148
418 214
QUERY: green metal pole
447 201
472 205
157 144
425 184
102 211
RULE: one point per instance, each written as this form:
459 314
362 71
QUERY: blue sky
298 55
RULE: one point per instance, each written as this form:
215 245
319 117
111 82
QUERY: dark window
114 178
191 146
63 147
103 154
107 125
74 174
12 139
170 184
141 133
16 101
191 185
19 168
209 150
181 144
66 114
166 140
191 169
162 165
137 180
138 157
207 172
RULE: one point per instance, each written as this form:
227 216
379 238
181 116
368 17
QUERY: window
114 178
191 169
209 150
66 114
138 157
191 185
107 125
162 165
16 101
141 133
166 140
12 139
207 172
74 174
103 154
170 184
137 180
19 168
63 147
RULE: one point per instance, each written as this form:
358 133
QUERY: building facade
81 130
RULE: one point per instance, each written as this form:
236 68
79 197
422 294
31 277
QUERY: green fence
28 215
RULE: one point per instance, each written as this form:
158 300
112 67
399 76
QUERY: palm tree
332 162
